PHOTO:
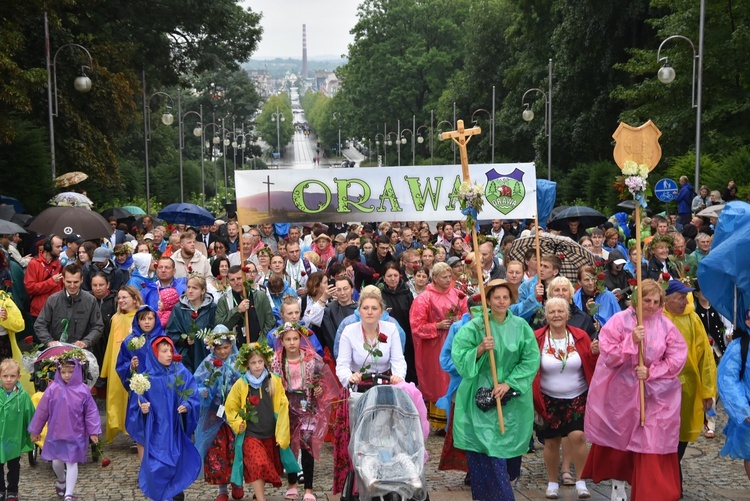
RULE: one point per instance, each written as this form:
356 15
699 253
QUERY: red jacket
39 283
588 362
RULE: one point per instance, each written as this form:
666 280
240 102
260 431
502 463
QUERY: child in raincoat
16 411
73 419
214 438
258 412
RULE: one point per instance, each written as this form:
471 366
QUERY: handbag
485 402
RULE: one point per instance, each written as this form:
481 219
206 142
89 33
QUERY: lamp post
667 75
402 140
278 117
167 119
214 154
225 143
492 130
82 84
377 143
450 125
197 131
528 115
420 136
389 141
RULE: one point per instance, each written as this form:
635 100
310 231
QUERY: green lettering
298 196
342 188
390 195
453 197
420 197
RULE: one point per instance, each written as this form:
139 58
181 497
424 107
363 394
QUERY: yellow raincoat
117 396
698 377
236 401
14 323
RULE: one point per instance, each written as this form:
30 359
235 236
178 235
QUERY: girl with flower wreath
214 438
258 412
196 311
310 389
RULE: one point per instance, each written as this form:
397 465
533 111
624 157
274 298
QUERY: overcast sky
328 25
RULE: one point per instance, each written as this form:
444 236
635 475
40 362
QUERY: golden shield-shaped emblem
639 144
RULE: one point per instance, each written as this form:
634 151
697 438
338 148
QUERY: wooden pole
244 291
461 137
639 307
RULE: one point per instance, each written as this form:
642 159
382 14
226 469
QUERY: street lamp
166 119
528 115
278 117
667 75
377 143
492 129
214 144
389 141
198 132
403 141
82 84
420 137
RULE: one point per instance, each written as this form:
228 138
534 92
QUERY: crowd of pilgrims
249 340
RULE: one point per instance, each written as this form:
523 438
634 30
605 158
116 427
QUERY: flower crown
247 350
292 326
659 238
218 338
267 251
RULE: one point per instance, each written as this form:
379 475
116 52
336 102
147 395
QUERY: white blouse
352 353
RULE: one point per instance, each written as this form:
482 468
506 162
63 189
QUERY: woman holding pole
625 449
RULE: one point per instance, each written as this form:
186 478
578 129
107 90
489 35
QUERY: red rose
415 266
376 275
476 298
632 282
666 276
217 362
382 338
687 268
678 252
540 299
177 357
28 340
9 283
599 263
210 251
143 285
219 277
254 400
106 462
561 256
246 269
302 273
190 268
601 276
461 295
194 315
467 261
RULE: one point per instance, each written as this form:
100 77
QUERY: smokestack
304 51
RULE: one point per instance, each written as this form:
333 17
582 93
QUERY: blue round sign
665 190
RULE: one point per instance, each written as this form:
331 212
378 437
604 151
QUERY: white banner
382 194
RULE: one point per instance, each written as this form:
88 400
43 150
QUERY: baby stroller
386 447
42 367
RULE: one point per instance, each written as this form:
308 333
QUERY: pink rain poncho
613 410
72 415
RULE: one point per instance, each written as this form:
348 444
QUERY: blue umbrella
727 266
14 202
189 214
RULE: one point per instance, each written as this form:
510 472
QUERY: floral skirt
564 415
437 416
217 466
452 458
262 460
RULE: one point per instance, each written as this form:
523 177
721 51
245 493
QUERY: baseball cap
677 286
340 238
148 236
452 261
75 238
101 255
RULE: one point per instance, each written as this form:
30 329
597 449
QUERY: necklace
560 348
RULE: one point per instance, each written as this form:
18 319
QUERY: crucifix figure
269 183
461 137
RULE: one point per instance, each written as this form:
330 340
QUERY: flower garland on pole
470 197
637 151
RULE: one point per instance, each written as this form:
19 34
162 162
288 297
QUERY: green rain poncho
517 361
16 411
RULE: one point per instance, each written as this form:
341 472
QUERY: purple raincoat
612 416
72 416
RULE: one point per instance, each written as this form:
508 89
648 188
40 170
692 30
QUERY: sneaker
70 498
237 492
552 493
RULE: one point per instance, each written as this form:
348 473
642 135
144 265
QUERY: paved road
707 477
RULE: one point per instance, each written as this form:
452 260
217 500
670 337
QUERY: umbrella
8 213
10 228
588 218
71 199
117 213
64 221
189 214
627 204
70 178
712 211
726 269
18 206
573 255
136 211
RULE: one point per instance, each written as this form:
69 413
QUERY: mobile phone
331 282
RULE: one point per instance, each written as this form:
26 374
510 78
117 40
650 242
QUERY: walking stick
639 309
462 136
244 290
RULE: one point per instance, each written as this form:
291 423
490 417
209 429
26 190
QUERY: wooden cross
461 137
269 183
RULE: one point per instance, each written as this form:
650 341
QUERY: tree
266 124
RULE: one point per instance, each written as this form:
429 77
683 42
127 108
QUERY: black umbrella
10 228
588 218
64 221
8 213
117 213
627 204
